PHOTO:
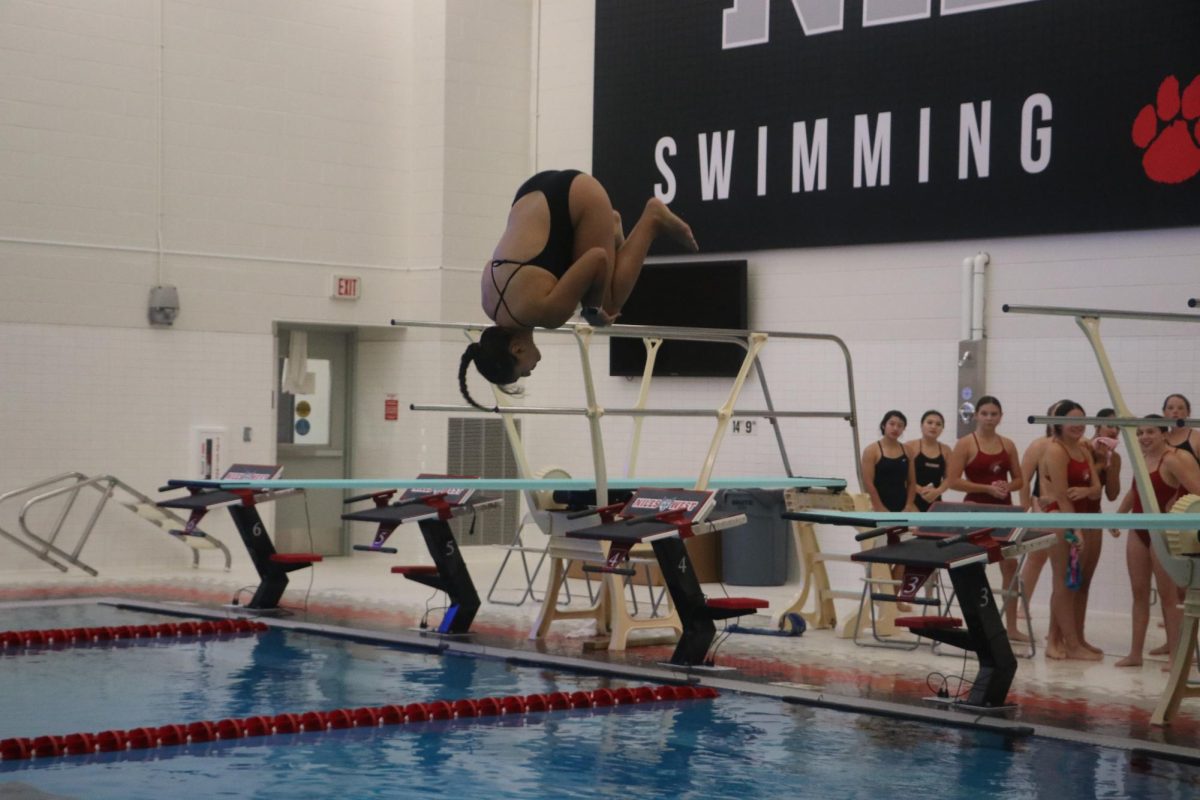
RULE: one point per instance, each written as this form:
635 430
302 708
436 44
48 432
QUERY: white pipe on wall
978 263
967 284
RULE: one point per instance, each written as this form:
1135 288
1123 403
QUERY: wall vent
478 446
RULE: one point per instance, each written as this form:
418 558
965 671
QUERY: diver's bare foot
1092 647
618 231
1130 660
1017 636
671 224
1161 650
1081 653
1056 651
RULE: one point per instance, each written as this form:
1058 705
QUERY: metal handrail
743 338
630 412
1107 313
106 485
37 553
731 335
1114 422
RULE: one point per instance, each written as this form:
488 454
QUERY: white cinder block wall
264 147
385 139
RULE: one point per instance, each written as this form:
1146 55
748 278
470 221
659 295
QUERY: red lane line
63 637
74 744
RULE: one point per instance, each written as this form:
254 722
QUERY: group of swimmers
1065 471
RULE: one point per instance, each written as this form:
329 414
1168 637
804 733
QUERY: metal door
312 436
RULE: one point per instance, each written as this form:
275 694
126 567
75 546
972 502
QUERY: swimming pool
739 745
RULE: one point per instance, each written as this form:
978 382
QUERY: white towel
296 377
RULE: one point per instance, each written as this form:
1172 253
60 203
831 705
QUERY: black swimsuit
891 479
559 253
1187 445
930 472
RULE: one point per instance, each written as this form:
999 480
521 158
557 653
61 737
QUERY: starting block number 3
743 427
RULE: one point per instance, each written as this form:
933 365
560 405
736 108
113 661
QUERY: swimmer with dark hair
563 247
985 466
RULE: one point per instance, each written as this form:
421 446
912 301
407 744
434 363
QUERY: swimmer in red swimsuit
986 467
1069 481
1172 474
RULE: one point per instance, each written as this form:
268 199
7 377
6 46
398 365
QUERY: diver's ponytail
494 362
469 355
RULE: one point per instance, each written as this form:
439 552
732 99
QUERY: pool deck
1094 701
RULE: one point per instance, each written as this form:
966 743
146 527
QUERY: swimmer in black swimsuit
563 247
1176 406
929 471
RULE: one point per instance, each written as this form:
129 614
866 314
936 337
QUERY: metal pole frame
652 345
1115 422
1098 313
1182 571
751 341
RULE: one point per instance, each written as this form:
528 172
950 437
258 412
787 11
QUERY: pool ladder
69 485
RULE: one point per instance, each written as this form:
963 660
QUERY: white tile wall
124 401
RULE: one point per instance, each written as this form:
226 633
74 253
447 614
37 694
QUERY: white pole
978 263
965 319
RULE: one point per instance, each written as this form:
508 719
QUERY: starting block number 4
743 427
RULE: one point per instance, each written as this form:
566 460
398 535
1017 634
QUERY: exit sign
346 287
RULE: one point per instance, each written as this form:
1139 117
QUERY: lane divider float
77 744
65 637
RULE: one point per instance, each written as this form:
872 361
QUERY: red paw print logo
1172 150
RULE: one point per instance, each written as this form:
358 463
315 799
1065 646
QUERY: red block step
296 558
930 621
747 603
415 570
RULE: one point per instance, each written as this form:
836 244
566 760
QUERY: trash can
754 554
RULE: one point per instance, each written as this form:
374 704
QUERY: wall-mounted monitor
691 294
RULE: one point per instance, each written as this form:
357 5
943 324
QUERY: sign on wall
792 123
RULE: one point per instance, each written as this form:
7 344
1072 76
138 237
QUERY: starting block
964 554
664 518
272 567
432 510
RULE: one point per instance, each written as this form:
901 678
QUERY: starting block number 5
743 427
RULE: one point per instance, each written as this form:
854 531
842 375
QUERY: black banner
792 123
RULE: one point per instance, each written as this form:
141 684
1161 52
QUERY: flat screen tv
691 294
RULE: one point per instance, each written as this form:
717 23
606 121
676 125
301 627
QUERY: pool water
738 746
